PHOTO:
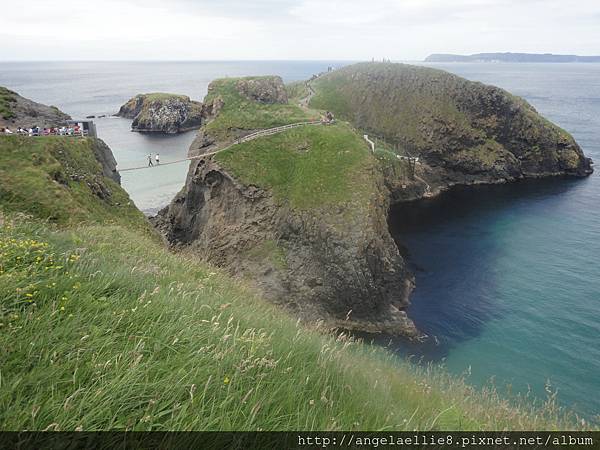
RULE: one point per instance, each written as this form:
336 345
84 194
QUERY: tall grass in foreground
102 328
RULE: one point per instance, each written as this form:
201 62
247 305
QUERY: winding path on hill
271 131
306 100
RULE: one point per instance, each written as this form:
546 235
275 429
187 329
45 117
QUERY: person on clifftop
157 159
150 164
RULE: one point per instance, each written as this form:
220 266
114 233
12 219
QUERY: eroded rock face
107 160
22 112
349 276
162 113
267 90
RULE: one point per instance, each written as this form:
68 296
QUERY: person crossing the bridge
150 163
157 159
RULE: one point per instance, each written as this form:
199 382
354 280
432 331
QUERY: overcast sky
286 29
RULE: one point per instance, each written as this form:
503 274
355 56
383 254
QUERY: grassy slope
7 97
160 96
308 167
296 91
103 328
240 113
429 110
397 105
57 178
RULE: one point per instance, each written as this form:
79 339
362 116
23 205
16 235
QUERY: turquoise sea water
508 277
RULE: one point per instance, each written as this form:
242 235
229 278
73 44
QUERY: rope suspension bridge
248 137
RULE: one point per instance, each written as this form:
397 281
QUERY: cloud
295 29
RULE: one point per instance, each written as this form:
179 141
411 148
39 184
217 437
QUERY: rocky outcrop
162 113
17 111
347 273
267 90
105 157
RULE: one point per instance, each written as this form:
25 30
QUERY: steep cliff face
303 214
162 113
333 264
105 157
17 111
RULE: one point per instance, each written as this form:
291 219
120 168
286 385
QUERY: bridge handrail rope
248 137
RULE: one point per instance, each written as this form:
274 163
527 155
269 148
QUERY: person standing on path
150 164
157 159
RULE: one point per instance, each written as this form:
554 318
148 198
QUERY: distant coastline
512 57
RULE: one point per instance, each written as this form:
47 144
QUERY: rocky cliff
267 90
17 111
162 113
326 256
105 157
303 214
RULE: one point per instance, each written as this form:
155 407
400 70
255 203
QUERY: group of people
328 118
52 131
156 159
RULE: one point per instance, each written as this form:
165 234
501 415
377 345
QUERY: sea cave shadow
450 243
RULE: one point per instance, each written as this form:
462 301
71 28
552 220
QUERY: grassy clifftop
101 327
250 103
7 100
59 179
450 121
312 166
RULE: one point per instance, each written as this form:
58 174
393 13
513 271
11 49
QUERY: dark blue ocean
508 277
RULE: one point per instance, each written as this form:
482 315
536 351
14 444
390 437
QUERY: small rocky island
162 113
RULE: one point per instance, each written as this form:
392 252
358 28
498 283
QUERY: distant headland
512 57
